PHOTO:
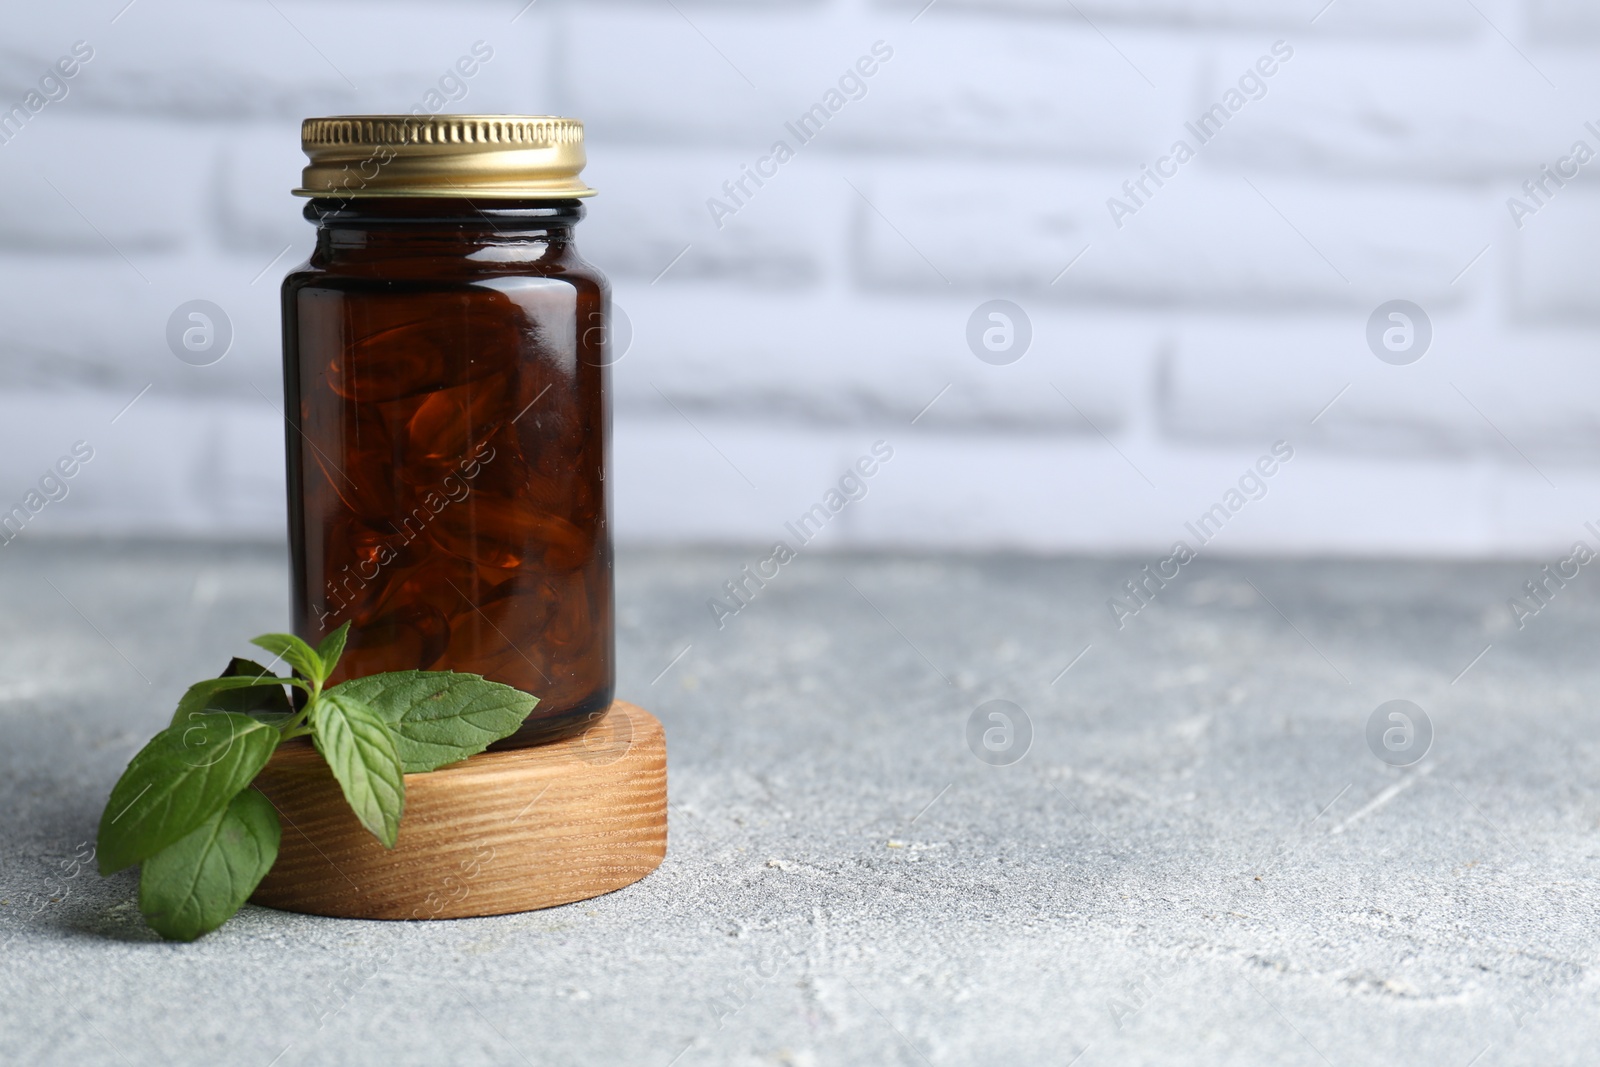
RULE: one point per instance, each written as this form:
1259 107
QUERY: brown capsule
410 637
449 424
399 354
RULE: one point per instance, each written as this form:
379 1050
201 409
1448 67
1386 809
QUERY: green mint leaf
195 884
332 648
243 694
268 703
295 652
440 717
239 667
360 749
184 776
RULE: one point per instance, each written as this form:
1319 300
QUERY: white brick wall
831 309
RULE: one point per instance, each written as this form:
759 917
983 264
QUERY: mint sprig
185 810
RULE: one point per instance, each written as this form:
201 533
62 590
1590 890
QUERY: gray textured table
1198 860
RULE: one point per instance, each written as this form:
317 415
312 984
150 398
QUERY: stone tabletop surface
1198 856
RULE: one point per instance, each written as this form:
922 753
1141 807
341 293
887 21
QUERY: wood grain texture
501 832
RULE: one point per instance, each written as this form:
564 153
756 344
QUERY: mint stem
296 727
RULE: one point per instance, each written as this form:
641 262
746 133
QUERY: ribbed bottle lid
524 156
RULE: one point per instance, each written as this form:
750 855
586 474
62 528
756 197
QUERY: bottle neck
394 230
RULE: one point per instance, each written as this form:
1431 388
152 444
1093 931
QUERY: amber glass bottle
446 379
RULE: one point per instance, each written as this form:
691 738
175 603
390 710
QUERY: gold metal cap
535 157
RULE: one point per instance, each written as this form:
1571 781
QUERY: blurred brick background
827 313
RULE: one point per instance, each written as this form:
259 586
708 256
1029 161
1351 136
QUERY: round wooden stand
501 832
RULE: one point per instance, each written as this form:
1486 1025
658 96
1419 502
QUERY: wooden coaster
501 832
